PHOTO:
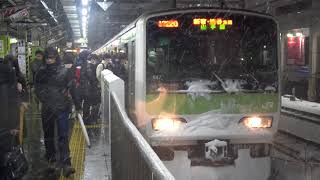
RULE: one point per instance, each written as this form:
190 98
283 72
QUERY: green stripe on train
222 103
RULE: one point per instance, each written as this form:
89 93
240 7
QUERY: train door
130 105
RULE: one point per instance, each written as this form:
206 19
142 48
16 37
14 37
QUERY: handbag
16 163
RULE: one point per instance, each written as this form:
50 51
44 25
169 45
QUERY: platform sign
296 51
19 15
1 46
212 23
22 64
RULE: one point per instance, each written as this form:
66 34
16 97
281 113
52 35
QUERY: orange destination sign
168 23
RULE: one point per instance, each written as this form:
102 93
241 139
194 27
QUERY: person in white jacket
105 64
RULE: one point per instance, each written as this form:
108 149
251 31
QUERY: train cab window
179 50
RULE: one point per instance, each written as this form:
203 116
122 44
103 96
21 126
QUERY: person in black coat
36 63
90 90
9 110
55 86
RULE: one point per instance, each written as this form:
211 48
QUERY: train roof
176 10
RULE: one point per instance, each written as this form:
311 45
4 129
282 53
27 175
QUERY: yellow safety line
94 126
77 153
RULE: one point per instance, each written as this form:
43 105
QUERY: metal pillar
172 3
314 66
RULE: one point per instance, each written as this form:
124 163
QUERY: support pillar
172 3
314 66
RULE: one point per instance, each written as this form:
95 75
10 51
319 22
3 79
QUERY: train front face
212 85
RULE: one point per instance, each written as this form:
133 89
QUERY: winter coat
9 98
35 66
118 70
89 83
102 66
53 85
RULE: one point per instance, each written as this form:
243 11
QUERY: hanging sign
19 15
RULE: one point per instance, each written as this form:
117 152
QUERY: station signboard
19 15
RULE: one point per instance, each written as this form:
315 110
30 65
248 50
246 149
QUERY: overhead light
289 35
84 25
84 12
13 40
84 18
85 2
49 10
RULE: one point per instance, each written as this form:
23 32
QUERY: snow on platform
301 105
301 125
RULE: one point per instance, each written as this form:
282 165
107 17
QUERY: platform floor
90 163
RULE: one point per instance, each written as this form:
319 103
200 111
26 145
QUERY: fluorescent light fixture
49 10
13 40
84 18
85 2
84 12
289 35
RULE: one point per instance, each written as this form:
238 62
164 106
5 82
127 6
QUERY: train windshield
211 52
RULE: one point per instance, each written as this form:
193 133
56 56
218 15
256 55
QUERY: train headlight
257 122
161 124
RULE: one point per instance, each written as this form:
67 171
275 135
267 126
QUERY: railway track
298 123
301 115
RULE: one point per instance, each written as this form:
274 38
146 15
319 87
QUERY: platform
90 163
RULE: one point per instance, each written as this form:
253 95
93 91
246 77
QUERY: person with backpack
90 90
105 64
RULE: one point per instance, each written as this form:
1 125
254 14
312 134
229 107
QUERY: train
202 86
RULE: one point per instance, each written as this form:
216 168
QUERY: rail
302 115
131 155
300 119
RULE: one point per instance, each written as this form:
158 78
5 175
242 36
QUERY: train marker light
168 23
257 122
168 124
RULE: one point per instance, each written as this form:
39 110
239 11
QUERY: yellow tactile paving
77 152
94 126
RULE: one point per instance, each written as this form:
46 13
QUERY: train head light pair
167 124
257 122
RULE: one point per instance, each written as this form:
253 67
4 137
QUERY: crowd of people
60 85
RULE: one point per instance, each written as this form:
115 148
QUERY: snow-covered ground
306 127
295 159
301 105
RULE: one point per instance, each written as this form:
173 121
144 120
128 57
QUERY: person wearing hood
54 85
9 110
118 68
36 63
90 89
105 64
